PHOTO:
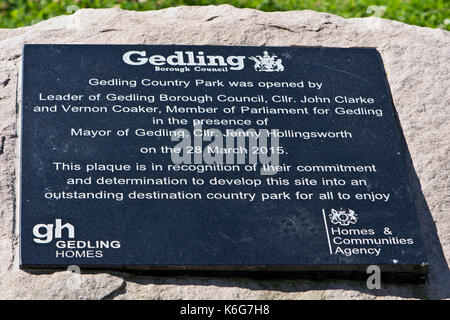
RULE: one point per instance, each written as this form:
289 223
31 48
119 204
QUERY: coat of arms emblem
343 217
267 63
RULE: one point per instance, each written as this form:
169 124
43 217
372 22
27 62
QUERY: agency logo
343 217
267 63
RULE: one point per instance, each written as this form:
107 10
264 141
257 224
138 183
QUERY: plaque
258 160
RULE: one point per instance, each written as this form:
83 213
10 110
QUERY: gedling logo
43 233
267 63
183 58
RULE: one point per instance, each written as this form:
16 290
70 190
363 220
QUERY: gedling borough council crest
267 63
343 217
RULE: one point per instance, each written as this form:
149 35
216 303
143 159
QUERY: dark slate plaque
248 159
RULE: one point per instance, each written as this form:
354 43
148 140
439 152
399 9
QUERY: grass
429 13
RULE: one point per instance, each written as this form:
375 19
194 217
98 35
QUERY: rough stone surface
417 63
59 285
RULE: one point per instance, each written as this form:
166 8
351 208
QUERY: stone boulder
417 64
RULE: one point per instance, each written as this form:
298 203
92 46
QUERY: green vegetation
430 13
